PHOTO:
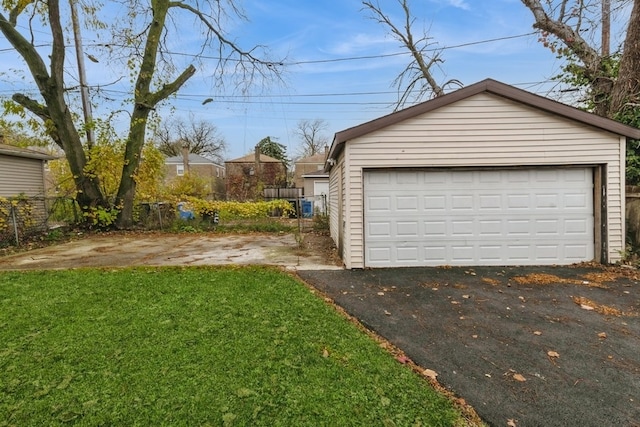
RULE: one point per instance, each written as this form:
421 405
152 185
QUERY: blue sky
322 44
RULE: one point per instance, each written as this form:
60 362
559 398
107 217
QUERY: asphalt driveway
555 346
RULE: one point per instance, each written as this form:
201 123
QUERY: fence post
159 214
15 223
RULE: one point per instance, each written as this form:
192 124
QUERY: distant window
179 170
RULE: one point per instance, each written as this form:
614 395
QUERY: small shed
22 174
486 175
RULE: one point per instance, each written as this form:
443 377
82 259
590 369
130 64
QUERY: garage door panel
409 254
496 217
490 253
379 230
381 204
433 203
436 228
576 201
406 204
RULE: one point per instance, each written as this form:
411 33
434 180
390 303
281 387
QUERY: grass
194 347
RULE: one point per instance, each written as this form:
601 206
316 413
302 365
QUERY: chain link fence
25 217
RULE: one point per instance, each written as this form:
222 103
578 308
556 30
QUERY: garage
487 175
478 217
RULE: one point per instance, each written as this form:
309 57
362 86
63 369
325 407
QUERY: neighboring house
22 173
199 166
486 175
248 176
310 176
312 165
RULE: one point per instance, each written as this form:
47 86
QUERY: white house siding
21 175
335 180
482 130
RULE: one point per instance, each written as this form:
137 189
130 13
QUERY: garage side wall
336 204
482 131
21 175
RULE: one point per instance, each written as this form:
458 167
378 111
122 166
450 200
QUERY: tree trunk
625 94
145 101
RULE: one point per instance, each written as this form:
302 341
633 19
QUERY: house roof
485 86
316 158
318 174
250 158
10 150
194 159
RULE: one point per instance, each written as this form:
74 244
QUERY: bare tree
312 139
613 81
416 81
199 137
141 40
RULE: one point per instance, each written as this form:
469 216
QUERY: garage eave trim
486 86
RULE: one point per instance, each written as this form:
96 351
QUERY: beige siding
335 201
20 175
483 130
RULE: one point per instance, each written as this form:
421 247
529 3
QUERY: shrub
240 210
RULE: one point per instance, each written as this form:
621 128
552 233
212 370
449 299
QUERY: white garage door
478 217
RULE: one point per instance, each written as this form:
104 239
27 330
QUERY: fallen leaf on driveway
387 313
511 423
466 296
537 333
587 304
519 377
402 359
429 373
551 353
602 335
380 293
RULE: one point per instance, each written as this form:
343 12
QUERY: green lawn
194 347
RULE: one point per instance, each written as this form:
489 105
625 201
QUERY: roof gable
251 158
194 159
10 150
316 158
486 86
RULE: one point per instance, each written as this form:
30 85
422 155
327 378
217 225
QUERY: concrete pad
140 249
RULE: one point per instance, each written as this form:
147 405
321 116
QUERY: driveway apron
538 346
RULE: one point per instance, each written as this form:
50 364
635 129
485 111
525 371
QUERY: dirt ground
311 251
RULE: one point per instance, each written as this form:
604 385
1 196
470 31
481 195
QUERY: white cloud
358 44
460 4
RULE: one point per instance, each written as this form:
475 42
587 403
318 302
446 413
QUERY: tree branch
170 88
417 49
568 35
223 40
27 51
